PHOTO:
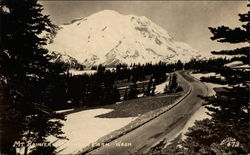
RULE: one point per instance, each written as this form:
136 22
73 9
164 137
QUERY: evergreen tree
133 92
153 89
179 65
125 94
228 129
116 94
149 87
25 71
172 83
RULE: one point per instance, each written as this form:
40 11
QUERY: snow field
77 72
83 128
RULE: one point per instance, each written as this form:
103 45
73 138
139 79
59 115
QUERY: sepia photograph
124 77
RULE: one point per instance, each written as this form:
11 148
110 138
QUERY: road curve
167 125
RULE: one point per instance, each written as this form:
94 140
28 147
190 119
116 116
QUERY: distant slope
70 62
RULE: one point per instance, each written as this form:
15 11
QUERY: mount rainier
110 38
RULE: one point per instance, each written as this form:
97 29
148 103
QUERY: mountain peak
105 14
108 37
108 12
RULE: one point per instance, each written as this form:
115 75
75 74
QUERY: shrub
179 89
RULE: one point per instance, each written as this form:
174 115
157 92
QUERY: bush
179 89
166 88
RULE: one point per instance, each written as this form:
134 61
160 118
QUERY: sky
185 21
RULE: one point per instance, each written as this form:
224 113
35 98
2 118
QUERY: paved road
167 125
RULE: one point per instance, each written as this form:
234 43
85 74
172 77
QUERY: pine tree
179 65
172 83
125 94
154 87
25 71
149 87
116 94
228 129
133 92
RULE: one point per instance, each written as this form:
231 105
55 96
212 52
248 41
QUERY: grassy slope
135 107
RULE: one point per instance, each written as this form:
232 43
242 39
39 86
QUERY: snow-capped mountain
110 38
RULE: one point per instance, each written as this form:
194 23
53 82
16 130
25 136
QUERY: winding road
167 125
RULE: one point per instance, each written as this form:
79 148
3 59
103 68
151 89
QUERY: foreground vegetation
227 131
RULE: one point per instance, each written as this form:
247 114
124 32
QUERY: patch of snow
125 87
200 114
210 85
159 89
140 95
233 64
80 72
238 65
61 111
199 75
83 128
243 66
118 102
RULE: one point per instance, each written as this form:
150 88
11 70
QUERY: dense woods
102 87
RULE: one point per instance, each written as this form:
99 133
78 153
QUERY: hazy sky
186 21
